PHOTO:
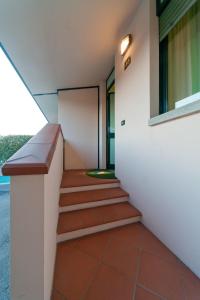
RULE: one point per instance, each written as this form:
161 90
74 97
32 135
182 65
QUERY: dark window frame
163 76
161 6
108 135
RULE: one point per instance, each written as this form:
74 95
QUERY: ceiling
62 43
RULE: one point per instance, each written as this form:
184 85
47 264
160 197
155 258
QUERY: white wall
27 237
159 166
34 216
51 205
49 106
78 116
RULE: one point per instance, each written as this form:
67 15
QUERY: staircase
89 205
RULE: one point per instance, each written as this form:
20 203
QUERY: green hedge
10 144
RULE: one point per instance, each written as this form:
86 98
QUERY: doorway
110 84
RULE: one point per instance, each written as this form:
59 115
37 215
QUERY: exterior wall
27 234
34 215
159 166
51 198
78 116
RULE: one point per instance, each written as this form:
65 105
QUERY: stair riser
90 230
89 187
92 204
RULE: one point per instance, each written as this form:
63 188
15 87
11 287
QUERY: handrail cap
36 155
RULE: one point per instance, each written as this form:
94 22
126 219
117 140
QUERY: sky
19 113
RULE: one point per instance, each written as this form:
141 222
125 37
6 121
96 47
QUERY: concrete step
77 181
93 198
65 190
78 223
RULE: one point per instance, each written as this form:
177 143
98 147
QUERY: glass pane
112 113
112 151
110 79
184 57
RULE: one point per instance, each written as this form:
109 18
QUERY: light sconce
125 44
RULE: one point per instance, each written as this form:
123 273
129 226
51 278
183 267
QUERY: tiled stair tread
76 178
71 221
91 196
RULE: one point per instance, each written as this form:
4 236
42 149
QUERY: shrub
10 144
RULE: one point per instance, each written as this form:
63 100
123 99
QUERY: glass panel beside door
111 122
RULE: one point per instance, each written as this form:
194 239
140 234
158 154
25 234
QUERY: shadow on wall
73 159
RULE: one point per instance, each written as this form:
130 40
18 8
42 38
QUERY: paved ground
126 263
4 245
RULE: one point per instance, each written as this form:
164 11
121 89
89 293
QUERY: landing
127 263
74 178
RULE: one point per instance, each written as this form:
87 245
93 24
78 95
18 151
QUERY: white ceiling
48 104
62 43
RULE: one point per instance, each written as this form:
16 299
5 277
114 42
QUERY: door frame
108 165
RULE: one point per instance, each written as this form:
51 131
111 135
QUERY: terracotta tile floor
128 263
73 178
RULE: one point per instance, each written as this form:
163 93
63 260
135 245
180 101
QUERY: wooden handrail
35 156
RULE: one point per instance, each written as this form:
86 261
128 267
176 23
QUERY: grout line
98 268
150 291
115 268
136 283
76 247
58 292
86 252
101 262
137 278
105 263
184 289
91 282
137 273
110 239
174 263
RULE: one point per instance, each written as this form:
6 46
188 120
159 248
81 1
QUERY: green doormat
104 174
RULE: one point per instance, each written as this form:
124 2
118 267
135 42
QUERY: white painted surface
60 44
181 112
188 100
34 215
49 106
78 116
94 229
158 166
27 237
51 208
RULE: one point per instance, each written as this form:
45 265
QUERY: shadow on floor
4 245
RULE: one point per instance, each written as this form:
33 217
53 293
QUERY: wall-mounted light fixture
125 44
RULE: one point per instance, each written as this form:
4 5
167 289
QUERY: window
179 54
161 4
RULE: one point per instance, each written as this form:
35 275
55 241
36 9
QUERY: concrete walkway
4 245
